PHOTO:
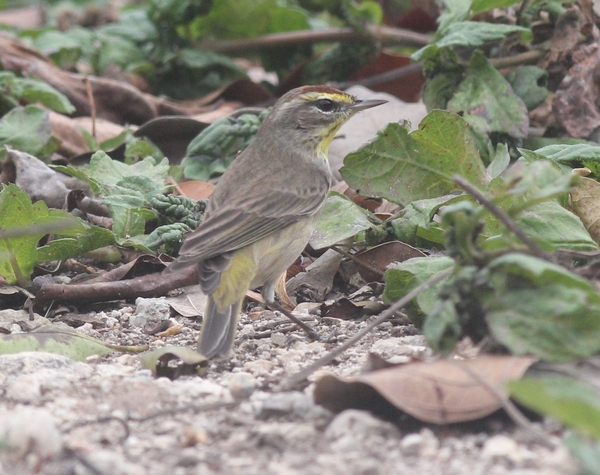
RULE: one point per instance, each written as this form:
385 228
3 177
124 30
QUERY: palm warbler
262 212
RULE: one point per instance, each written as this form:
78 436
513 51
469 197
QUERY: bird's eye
325 105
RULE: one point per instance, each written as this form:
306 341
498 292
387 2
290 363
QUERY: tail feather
218 329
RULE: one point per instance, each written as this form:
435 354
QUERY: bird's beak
362 105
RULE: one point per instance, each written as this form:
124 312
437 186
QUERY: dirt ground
109 416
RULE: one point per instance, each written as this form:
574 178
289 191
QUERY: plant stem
503 217
329 357
384 34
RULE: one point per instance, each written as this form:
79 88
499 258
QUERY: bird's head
312 115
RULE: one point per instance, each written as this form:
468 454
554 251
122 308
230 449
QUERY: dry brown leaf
381 256
442 392
585 203
195 190
171 134
574 102
23 18
104 129
115 101
342 309
67 131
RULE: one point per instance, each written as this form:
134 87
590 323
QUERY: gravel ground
110 416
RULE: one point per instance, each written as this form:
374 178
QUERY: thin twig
509 407
329 357
90 95
182 409
103 420
388 76
352 257
503 217
518 59
384 34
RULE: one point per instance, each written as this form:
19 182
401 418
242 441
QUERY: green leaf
212 150
554 227
500 161
67 245
530 84
539 308
474 33
479 6
62 47
576 155
26 129
340 219
61 340
403 167
129 210
107 171
415 225
469 34
488 102
118 51
126 190
454 11
194 73
38 91
586 451
236 19
16 212
438 90
404 277
572 402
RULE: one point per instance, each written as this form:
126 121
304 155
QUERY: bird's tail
218 329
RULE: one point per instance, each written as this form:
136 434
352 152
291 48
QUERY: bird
263 209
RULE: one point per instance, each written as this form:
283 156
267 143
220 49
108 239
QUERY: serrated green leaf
574 403
17 212
469 34
107 171
403 167
474 33
340 219
454 11
487 101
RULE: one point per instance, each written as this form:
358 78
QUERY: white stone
29 430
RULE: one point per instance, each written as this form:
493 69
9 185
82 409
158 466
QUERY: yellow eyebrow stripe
313 96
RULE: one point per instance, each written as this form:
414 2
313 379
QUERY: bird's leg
274 305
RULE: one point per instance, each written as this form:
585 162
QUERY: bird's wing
231 227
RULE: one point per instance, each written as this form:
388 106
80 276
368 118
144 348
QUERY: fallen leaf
195 190
190 362
61 340
442 392
585 203
381 256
